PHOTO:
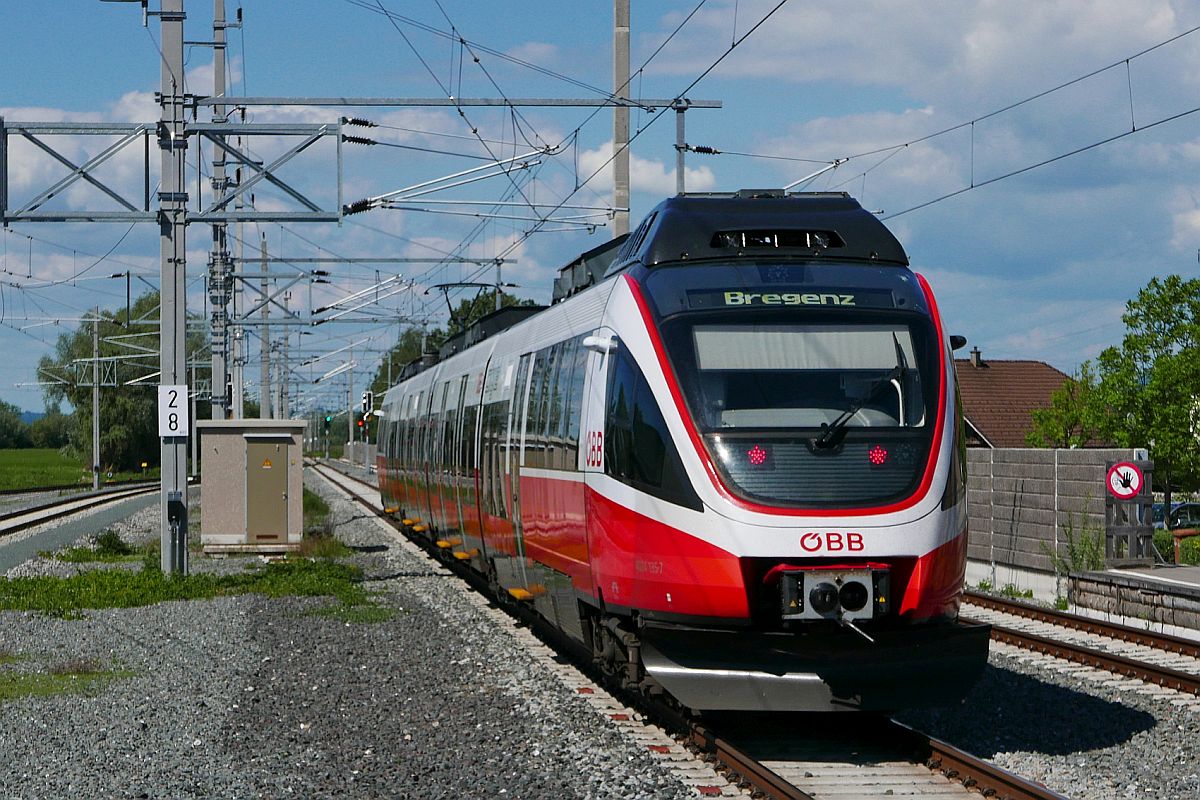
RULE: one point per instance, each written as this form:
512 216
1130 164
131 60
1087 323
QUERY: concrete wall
360 454
1019 499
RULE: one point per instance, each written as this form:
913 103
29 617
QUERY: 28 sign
173 411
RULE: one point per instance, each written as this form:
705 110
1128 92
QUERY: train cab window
638 449
819 411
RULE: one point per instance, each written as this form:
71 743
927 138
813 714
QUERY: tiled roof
998 397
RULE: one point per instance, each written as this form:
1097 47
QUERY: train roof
750 223
756 223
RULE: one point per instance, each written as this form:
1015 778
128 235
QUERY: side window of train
637 446
534 444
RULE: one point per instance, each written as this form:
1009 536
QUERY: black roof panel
758 223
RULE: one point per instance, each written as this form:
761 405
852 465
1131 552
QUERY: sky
1037 160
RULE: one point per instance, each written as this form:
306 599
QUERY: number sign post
173 407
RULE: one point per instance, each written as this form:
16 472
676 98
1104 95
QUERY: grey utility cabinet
252 485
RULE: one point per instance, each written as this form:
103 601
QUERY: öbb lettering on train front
832 542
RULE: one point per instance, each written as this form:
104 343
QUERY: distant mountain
28 417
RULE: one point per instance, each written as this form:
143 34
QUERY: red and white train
728 458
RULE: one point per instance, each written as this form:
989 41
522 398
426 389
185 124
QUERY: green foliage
69 678
51 430
1011 590
1144 391
355 615
1189 551
65 597
316 510
13 431
1067 421
985 585
1164 543
408 347
108 546
23 469
1061 604
1085 548
128 421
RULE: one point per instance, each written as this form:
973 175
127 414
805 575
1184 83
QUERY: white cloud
645 175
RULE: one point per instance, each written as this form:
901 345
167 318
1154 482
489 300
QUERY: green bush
1189 551
1164 543
1085 547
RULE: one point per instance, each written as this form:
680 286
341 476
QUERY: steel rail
760 778
1079 654
75 487
1124 633
48 512
975 774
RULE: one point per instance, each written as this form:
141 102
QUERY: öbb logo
832 542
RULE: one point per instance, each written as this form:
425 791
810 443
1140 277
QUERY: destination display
778 297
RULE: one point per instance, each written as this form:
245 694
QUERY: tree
13 430
413 340
128 418
50 429
1067 421
1145 390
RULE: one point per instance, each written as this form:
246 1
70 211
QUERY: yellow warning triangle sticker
266 463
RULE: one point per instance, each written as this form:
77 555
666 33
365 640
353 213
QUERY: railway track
806 757
1164 660
21 519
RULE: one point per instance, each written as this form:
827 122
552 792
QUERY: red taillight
877 456
757 456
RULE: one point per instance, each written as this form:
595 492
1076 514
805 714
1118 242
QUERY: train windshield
811 408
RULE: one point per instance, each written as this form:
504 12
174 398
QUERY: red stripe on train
642 563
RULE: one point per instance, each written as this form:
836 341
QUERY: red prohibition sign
1124 480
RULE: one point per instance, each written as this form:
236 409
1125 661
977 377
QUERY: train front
823 565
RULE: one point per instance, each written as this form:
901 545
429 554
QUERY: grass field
26 469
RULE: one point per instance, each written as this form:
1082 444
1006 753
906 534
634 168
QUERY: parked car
1185 515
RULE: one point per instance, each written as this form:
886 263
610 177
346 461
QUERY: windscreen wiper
835 431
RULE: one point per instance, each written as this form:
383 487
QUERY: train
727 459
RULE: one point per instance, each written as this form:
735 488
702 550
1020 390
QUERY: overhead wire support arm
836 163
640 103
434 184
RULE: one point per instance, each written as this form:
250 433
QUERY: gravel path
250 697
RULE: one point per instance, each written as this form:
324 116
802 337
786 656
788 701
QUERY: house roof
998 397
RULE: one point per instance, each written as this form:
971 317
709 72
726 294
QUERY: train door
437 461
425 443
512 464
411 459
601 346
451 456
470 455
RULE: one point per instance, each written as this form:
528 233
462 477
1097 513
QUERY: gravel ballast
255 697
1086 733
